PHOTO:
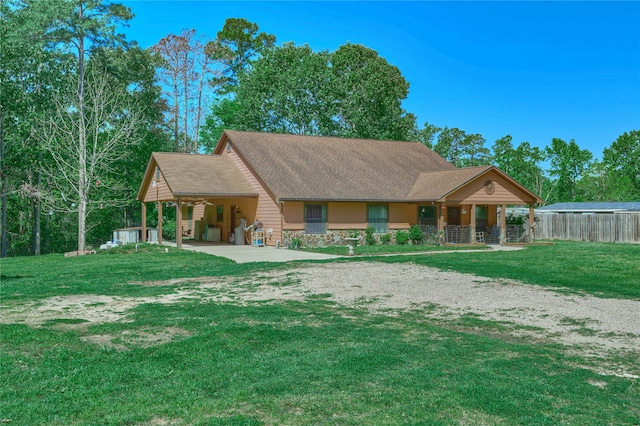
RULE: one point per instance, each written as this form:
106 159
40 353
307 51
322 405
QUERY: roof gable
193 175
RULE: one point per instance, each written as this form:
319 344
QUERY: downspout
281 222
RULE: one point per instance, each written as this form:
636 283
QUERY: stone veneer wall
333 237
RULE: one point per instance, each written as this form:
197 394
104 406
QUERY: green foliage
236 47
223 116
351 92
524 164
460 148
369 238
416 235
512 219
295 243
622 167
568 165
295 83
169 230
402 237
354 233
385 238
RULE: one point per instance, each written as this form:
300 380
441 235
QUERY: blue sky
534 70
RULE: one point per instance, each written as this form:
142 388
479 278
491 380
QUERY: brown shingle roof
435 185
202 175
329 168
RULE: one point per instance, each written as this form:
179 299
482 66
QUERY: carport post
159 222
144 222
472 221
503 223
179 222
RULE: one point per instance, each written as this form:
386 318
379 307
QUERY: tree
286 92
523 163
369 93
184 70
351 92
29 75
622 164
462 149
568 165
427 135
111 122
236 46
223 115
85 25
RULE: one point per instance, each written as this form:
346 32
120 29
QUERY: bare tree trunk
82 144
3 177
176 115
36 214
185 119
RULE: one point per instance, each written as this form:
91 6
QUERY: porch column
144 222
441 236
160 222
179 222
503 223
532 219
472 219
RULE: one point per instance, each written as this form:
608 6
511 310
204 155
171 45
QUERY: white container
239 236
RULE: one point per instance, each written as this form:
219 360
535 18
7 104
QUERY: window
315 218
220 213
427 216
482 218
378 217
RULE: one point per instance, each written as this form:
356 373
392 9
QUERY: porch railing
458 234
461 234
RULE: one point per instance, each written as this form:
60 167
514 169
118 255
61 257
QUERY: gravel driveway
586 324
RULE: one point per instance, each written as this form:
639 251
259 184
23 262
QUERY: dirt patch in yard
590 325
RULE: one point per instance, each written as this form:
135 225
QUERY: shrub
416 234
169 230
385 238
369 238
402 237
295 243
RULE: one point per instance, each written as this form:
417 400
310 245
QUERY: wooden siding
402 216
349 215
267 209
293 212
159 192
198 212
346 215
474 192
619 227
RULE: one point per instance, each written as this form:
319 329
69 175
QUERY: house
320 189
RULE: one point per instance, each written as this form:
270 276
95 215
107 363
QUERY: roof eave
216 194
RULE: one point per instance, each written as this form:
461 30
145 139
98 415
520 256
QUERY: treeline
82 108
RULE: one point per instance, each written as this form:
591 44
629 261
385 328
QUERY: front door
453 215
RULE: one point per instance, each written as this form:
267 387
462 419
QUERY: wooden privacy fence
619 227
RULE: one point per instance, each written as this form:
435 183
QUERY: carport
211 185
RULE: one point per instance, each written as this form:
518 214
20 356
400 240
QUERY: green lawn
299 363
609 270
